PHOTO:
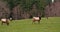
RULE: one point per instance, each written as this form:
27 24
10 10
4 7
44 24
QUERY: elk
36 19
4 20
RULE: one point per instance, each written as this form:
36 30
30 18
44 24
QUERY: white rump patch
36 18
3 20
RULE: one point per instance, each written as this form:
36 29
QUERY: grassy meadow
52 24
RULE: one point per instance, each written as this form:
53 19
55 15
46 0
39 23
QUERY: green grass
46 25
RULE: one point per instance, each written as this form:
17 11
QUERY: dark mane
39 17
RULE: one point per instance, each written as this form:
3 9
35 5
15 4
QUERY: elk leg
2 23
33 21
7 23
39 22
